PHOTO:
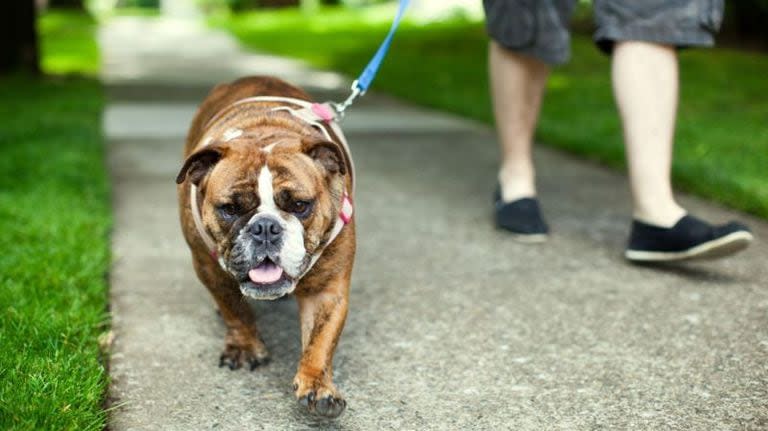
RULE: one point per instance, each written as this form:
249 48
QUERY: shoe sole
725 246
530 239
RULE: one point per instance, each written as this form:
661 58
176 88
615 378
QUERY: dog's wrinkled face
269 203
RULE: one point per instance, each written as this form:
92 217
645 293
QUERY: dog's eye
299 208
227 211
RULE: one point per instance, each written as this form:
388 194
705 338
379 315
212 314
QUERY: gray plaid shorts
539 28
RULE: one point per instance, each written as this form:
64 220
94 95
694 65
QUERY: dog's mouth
266 272
267 280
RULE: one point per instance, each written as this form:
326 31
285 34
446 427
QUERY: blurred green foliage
67 42
245 5
148 4
722 136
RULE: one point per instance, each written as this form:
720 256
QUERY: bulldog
265 204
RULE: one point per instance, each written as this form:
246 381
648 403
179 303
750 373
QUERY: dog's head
269 201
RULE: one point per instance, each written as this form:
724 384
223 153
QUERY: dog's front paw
319 396
243 348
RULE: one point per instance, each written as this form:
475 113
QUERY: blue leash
361 84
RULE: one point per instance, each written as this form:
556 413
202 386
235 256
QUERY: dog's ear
199 163
326 153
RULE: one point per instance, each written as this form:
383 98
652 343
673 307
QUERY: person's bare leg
645 84
517 87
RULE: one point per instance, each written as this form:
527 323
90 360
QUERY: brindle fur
322 294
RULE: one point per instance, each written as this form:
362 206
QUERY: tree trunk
18 37
68 4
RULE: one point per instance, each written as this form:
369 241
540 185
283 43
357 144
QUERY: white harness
320 116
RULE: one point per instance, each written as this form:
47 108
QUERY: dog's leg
242 344
322 318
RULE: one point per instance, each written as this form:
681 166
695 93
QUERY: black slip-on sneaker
689 238
522 218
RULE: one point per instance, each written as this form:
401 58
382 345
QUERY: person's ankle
661 217
514 186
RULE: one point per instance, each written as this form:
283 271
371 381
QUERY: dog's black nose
266 230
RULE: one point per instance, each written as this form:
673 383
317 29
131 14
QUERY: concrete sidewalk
452 324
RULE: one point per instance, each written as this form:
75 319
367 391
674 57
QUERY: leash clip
340 108
362 83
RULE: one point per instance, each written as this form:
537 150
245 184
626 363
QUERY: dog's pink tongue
265 273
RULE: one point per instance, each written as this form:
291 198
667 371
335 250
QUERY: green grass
54 218
67 43
721 149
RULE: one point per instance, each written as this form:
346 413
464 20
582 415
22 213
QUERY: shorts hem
678 37
551 58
